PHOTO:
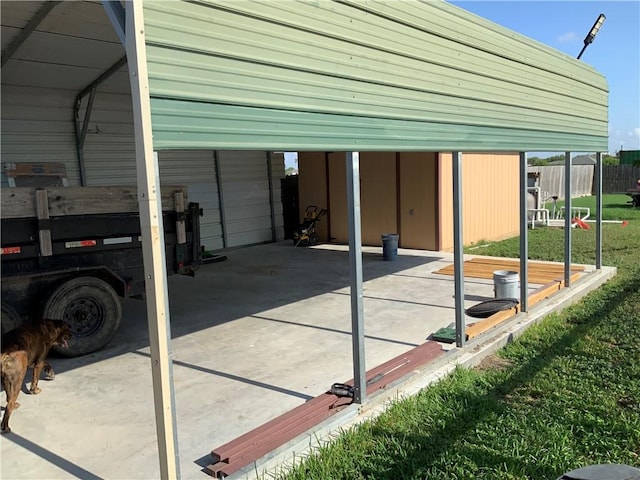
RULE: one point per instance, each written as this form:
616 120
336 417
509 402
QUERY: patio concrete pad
253 337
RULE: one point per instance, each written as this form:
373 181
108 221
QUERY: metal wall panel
245 193
362 76
109 150
37 127
196 170
110 158
75 19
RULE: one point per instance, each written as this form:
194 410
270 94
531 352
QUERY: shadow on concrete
395 300
251 281
62 463
335 330
237 378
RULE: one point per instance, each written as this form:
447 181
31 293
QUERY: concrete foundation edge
280 460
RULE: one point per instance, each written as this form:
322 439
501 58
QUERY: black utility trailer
71 253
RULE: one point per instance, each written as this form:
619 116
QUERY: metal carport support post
524 235
355 265
150 203
598 188
458 253
567 219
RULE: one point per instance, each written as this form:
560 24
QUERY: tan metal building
410 193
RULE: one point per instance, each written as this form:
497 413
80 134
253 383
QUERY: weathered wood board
21 201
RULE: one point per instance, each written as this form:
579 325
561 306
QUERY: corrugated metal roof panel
196 125
396 75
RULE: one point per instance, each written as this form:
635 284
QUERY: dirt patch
493 362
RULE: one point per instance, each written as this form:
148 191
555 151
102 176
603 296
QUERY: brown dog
27 347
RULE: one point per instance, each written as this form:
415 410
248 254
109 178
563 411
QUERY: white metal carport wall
150 204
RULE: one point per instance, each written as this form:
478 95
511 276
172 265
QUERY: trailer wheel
10 319
92 308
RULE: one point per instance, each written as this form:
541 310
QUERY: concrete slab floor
253 337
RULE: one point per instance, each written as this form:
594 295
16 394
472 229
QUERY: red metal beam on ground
238 453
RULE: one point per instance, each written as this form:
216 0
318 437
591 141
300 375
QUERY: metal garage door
245 197
196 170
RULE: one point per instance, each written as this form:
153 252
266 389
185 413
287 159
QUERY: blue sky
563 25
615 52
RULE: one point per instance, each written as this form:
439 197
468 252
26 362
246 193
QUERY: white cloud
625 139
568 37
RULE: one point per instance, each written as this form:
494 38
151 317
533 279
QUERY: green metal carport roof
362 75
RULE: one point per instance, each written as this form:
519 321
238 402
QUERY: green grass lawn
614 207
566 394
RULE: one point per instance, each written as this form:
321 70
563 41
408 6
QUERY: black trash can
390 246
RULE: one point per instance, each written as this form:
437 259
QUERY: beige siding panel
445 202
418 200
338 197
312 188
378 209
377 196
490 198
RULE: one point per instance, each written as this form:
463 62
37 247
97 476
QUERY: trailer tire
91 307
10 319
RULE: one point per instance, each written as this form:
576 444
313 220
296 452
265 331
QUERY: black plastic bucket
390 246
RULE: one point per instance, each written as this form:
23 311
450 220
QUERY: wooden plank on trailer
179 207
19 202
44 224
